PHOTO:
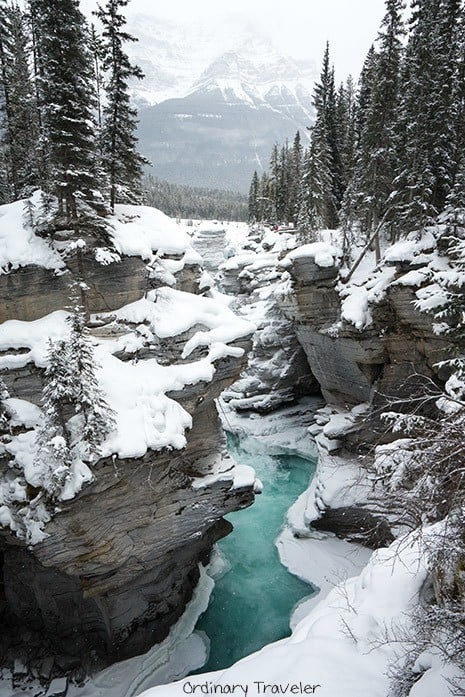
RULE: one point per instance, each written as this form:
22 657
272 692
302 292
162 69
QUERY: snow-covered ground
350 643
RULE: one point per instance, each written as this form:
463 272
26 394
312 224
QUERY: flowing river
253 600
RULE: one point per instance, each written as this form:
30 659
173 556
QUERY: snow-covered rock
112 562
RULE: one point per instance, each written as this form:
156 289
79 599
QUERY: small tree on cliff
76 417
53 438
97 418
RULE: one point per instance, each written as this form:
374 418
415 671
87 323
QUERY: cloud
299 29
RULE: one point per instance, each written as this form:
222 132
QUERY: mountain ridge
210 114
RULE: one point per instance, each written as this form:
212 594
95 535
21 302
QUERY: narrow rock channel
254 595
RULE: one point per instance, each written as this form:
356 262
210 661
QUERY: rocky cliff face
367 343
278 372
114 567
360 365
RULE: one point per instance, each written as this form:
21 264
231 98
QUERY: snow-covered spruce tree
97 418
324 103
365 87
346 131
20 116
76 418
274 179
5 184
376 161
451 243
283 192
426 126
53 441
97 50
64 78
267 207
279 177
121 160
5 412
294 166
5 194
253 201
318 205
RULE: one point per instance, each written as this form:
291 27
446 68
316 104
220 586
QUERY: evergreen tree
254 193
267 207
120 157
87 397
366 84
97 50
5 412
66 103
295 178
282 186
324 103
76 418
20 113
53 442
345 128
425 129
274 180
318 205
375 167
443 106
452 243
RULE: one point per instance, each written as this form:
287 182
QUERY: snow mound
324 254
142 230
19 246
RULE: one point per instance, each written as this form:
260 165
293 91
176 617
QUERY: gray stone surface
355 366
278 372
121 559
32 292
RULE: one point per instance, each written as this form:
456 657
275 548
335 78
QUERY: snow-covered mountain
211 107
258 75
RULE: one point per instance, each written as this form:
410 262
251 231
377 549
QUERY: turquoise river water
251 603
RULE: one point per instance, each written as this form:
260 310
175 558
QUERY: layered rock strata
364 361
115 566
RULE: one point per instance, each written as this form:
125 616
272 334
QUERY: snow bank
171 312
239 476
141 231
345 644
412 247
358 295
33 336
324 254
19 246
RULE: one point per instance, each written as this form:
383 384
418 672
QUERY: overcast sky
300 27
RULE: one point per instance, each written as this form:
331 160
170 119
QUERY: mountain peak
178 60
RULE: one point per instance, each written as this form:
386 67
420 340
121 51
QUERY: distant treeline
182 201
